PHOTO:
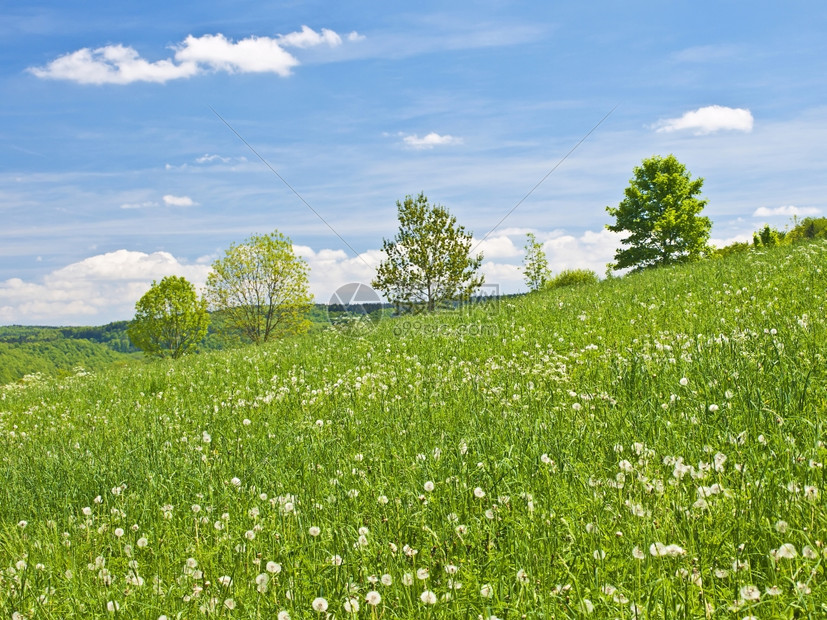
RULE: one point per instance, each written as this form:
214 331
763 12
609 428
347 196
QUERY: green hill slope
645 447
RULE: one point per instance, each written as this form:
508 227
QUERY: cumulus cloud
788 210
330 269
709 120
96 290
120 64
496 247
590 250
179 201
429 141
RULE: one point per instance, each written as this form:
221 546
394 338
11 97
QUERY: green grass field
646 447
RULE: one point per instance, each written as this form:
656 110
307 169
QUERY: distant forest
60 351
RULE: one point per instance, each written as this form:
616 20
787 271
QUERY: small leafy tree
808 228
428 263
169 320
661 214
767 237
535 264
261 288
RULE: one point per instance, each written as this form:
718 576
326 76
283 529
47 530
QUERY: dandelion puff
319 604
750 593
112 606
773 591
352 606
373 598
283 615
314 531
522 576
229 603
428 597
429 486
479 493
422 574
407 579
638 554
487 591
786 551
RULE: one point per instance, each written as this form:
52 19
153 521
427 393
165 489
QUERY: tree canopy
169 320
261 287
660 212
428 263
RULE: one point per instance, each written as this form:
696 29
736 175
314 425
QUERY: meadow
646 447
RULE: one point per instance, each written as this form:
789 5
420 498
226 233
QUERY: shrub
572 277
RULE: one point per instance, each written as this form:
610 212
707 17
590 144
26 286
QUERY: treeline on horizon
62 351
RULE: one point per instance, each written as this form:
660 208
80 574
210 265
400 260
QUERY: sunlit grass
646 447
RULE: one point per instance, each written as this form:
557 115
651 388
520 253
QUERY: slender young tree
169 320
660 212
428 263
535 264
261 288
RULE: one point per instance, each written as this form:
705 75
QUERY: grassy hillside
646 447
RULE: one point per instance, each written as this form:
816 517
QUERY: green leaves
535 264
428 263
261 287
170 320
661 214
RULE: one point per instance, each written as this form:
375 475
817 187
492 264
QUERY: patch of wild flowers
648 447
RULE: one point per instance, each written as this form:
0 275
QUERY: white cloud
119 64
591 250
788 210
113 64
330 269
308 37
139 205
179 201
96 290
496 247
739 238
429 141
207 158
251 55
709 120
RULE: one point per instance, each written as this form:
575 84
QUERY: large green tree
261 288
428 263
170 320
660 213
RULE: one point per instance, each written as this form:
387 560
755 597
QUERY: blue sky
114 169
